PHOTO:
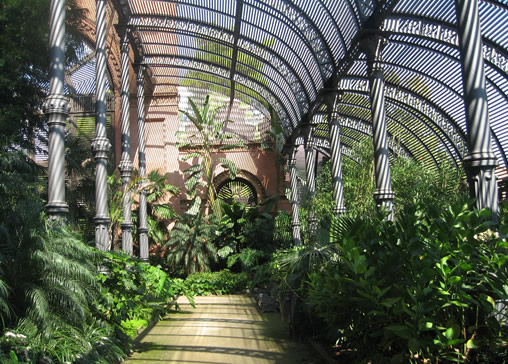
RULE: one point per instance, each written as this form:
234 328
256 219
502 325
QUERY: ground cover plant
217 283
133 294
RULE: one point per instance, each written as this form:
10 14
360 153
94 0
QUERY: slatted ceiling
208 81
490 18
443 10
204 15
247 31
290 52
273 81
283 30
165 8
292 66
318 13
345 20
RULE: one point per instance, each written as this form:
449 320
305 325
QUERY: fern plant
190 247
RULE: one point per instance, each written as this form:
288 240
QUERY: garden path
221 329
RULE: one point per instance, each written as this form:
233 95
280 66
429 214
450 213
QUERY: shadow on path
221 329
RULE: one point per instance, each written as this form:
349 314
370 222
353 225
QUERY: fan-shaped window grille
237 190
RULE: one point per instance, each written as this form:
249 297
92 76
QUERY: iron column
335 154
310 170
101 145
384 195
57 108
480 162
143 226
126 166
295 217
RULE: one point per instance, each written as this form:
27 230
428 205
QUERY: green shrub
133 291
422 289
216 283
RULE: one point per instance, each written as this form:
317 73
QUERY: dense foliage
412 181
422 289
216 283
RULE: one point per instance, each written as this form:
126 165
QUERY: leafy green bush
216 283
243 234
421 289
412 181
135 293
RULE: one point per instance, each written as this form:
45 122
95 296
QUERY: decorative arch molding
223 177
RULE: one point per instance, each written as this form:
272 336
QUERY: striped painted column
56 106
335 154
384 194
310 173
480 163
101 145
126 166
295 217
143 225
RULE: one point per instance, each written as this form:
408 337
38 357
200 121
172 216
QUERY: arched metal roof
284 55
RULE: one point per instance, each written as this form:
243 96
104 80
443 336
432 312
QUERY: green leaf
473 344
191 155
230 165
401 331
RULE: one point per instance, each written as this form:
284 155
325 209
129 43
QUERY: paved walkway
221 329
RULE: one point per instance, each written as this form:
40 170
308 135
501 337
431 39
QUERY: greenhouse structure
233 102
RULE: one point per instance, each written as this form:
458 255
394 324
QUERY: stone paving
221 329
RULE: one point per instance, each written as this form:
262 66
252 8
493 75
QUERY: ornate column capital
127 226
372 45
384 195
101 147
57 104
140 76
126 167
480 159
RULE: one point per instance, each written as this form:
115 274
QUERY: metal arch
367 125
436 107
234 55
281 69
163 26
443 85
427 28
163 23
377 17
345 150
454 59
408 130
438 135
324 144
173 61
502 5
336 26
306 35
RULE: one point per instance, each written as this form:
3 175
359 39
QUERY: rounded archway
237 190
245 188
